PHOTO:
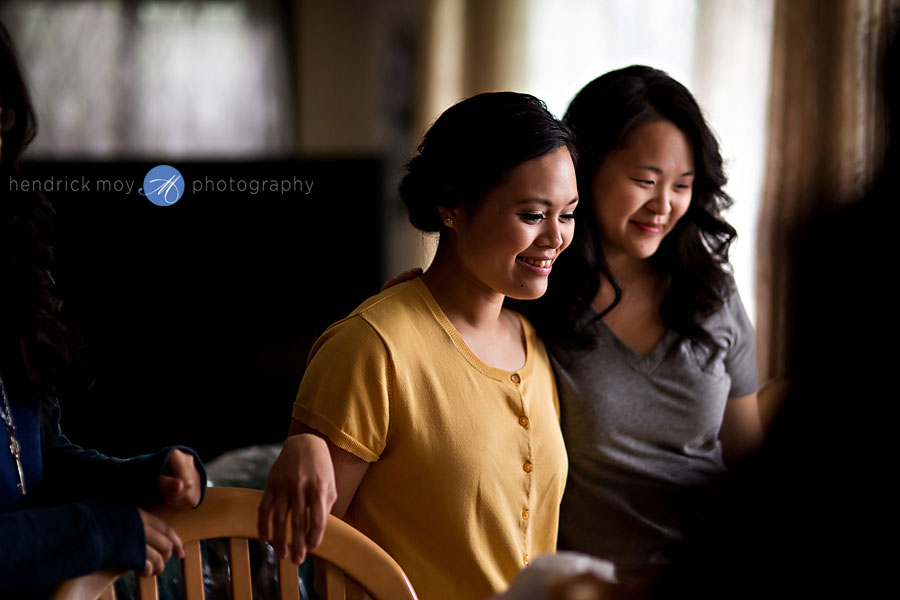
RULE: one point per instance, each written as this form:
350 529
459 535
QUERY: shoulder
733 310
732 307
348 338
396 295
734 331
379 320
395 306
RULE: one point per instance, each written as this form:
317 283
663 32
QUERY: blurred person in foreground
64 511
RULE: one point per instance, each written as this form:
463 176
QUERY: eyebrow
659 171
544 201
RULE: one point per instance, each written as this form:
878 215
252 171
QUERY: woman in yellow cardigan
438 405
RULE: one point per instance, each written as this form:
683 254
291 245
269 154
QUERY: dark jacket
79 513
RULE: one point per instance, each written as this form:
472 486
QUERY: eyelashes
651 182
538 217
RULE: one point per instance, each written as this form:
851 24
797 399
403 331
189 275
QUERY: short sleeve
346 390
740 359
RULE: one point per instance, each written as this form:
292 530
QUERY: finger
175 540
180 463
279 526
318 518
405 276
298 532
161 537
155 563
172 489
184 469
157 540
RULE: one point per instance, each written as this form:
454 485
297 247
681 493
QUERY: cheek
494 244
512 238
614 206
598 214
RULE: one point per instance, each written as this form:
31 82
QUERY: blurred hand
301 486
405 276
161 541
565 576
181 489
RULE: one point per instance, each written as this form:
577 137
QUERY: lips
649 227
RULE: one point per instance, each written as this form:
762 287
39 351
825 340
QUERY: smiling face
642 190
509 241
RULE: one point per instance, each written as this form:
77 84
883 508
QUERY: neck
467 302
636 277
629 270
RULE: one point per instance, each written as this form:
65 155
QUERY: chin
527 293
644 252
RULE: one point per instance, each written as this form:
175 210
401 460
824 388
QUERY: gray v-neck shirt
640 431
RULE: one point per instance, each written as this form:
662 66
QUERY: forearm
349 470
73 473
76 474
741 433
43 546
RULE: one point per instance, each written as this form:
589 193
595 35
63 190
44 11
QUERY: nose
551 235
661 203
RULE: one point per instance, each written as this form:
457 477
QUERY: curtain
827 135
175 78
470 46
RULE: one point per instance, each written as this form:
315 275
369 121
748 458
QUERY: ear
455 216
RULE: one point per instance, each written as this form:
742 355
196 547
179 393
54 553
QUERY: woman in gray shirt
652 348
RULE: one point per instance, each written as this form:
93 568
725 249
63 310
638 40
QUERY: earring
448 222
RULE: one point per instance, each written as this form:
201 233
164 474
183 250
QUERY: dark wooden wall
197 317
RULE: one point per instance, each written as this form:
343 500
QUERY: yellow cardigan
469 464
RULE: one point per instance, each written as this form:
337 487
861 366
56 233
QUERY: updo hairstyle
470 149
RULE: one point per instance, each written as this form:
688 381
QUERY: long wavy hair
35 339
692 258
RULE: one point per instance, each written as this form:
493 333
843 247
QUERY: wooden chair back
232 513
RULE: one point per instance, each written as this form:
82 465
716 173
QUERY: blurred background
198 317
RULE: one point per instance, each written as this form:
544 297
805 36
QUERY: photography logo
164 185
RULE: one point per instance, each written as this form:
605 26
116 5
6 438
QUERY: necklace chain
15 449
